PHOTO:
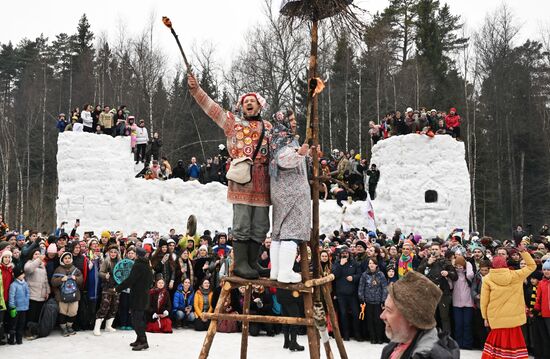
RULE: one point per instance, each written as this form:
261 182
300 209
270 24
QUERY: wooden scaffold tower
314 288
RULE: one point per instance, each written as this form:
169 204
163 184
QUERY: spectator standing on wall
453 123
142 137
106 120
374 177
194 170
61 122
179 171
156 144
87 120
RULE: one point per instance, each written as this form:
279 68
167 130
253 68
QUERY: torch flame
166 21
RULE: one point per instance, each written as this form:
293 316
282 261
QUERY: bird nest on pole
339 12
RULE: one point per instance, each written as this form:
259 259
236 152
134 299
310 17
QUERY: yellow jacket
501 301
198 303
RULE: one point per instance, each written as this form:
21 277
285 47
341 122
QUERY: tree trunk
42 173
521 173
359 113
330 117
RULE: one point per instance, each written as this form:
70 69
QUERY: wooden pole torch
166 21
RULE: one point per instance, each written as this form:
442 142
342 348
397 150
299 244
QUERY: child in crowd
18 306
66 281
463 303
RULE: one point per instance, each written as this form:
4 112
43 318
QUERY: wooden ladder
307 288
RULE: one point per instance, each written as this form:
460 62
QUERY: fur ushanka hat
416 297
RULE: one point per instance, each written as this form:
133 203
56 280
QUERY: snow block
424 185
97 184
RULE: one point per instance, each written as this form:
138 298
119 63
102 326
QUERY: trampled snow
97 185
183 343
411 165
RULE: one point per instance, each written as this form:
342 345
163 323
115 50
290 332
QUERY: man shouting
246 137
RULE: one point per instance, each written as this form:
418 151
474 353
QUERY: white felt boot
109 325
287 258
274 259
97 327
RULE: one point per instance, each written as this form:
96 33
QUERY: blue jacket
194 171
373 287
183 300
19 295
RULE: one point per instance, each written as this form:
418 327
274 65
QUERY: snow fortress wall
412 168
97 185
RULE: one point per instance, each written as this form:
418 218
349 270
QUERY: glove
13 312
165 313
155 316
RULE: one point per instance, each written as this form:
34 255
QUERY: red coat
452 120
543 298
7 278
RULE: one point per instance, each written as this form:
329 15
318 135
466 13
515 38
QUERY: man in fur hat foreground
409 315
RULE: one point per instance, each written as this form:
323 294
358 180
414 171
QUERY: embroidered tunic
242 139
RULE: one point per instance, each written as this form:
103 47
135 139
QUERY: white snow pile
410 166
97 185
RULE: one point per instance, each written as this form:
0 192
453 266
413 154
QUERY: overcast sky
221 22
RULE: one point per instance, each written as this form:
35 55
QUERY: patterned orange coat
242 139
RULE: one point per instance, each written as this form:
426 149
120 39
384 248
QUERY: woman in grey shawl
290 196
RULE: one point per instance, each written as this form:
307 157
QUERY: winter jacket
373 287
476 288
462 293
433 272
502 301
66 270
19 295
87 119
7 278
2 301
139 281
198 303
543 298
157 304
341 285
106 120
142 136
452 121
107 285
156 144
183 299
194 170
427 344
37 279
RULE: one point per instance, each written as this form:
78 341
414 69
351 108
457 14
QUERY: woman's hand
303 150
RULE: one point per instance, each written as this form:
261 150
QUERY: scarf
161 299
185 267
206 303
404 265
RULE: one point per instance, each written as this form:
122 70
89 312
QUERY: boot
294 346
97 327
11 338
253 256
274 259
287 340
142 344
109 325
18 339
64 331
287 258
136 343
70 329
242 268
3 339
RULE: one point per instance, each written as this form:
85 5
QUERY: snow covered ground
183 343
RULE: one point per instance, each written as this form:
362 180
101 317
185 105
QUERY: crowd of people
346 174
487 285
421 121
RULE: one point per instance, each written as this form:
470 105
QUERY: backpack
48 318
69 289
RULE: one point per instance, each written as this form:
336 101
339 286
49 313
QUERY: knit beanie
546 265
499 262
6 253
17 272
416 297
52 248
